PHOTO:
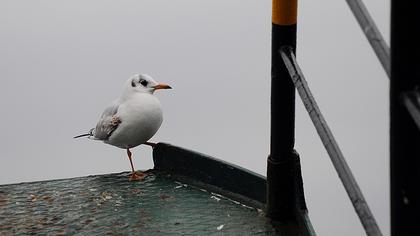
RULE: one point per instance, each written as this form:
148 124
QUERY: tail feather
84 135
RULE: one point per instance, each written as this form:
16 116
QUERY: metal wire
337 158
372 33
411 101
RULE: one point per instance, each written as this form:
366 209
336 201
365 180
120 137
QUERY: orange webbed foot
137 176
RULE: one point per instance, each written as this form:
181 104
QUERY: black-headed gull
132 119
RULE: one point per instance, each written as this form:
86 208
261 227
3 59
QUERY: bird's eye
143 82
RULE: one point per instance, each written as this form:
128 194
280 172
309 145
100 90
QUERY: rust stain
88 221
136 190
47 198
164 197
3 200
33 197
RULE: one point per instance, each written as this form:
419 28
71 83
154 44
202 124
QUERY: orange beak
162 86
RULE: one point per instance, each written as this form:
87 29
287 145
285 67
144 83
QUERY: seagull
132 119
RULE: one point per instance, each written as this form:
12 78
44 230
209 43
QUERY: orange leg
135 175
131 161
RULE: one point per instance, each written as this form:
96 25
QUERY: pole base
285 196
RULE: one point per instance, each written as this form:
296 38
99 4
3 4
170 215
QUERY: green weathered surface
112 205
229 180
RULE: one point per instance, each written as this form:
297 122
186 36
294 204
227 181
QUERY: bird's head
141 83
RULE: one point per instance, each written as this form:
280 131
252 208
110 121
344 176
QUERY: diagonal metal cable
382 51
411 101
336 156
372 33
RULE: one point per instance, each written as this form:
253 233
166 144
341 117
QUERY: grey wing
108 123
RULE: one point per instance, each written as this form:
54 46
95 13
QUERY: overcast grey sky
62 62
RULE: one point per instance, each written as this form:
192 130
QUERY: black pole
284 182
405 136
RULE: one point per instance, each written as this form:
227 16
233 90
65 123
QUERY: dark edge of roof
208 170
223 178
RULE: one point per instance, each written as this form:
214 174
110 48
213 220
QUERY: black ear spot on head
133 84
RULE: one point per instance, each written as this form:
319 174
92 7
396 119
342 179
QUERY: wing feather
108 123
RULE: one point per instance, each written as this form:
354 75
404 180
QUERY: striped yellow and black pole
284 182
